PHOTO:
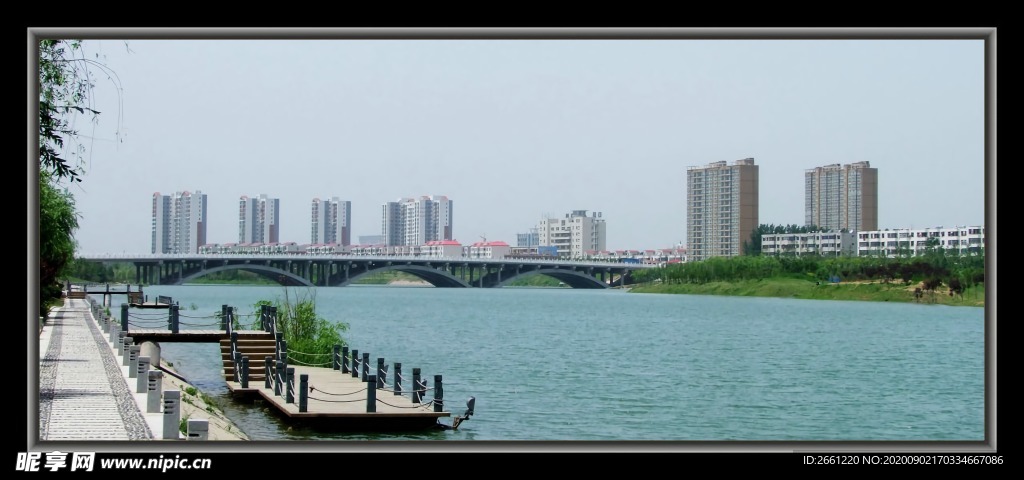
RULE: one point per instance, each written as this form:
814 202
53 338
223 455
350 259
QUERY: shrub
309 336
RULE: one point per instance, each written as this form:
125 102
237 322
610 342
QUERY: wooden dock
338 401
316 397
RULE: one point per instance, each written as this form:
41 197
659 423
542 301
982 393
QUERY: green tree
66 79
58 221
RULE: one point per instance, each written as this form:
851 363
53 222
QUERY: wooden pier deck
338 401
163 335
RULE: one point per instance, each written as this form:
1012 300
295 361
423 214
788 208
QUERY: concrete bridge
342 270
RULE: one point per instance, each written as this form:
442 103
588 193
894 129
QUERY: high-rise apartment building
416 221
258 220
842 197
179 222
721 208
573 235
331 222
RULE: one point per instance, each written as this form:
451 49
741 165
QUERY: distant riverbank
804 289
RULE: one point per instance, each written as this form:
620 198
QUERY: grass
804 289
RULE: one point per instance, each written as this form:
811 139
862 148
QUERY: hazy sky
514 130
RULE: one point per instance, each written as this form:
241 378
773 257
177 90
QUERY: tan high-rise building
721 208
842 197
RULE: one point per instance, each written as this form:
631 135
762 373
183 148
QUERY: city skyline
517 130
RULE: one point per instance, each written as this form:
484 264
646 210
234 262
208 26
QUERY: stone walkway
82 391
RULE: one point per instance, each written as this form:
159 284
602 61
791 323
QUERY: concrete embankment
86 393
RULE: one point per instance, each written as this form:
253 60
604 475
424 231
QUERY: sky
516 130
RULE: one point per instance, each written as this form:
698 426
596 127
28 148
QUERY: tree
65 82
66 78
58 221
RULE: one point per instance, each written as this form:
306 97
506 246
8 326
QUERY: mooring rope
336 401
422 405
313 389
292 359
311 354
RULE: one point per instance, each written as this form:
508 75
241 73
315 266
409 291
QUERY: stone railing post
172 414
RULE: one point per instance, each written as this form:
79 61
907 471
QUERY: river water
566 365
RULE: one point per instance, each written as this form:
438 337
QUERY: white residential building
493 249
259 219
331 222
826 244
416 221
965 240
441 249
573 235
179 222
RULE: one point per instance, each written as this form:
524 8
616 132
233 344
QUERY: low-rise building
964 240
825 244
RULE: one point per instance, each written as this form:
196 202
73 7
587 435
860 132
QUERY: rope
194 316
145 326
198 324
304 353
313 389
292 359
335 401
422 405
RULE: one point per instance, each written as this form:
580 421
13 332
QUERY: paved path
83 394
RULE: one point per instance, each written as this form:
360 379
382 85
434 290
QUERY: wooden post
381 378
245 372
229 321
438 394
355 363
335 363
284 351
124 317
344 359
398 378
236 361
289 385
268 361
417 390
224 318
303 386
366 367
174 318
371 394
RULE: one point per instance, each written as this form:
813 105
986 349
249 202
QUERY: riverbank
198 405
804 289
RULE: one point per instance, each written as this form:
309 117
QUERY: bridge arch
571 278
433 276
282 277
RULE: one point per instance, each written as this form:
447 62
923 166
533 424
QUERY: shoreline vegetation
812 290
